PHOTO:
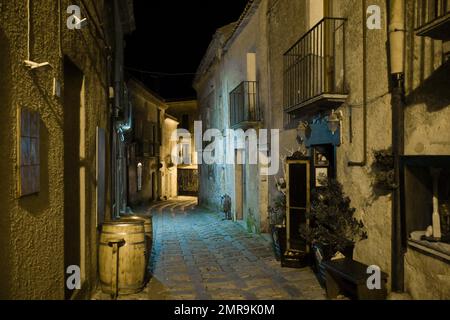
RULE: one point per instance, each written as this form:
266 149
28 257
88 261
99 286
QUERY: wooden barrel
148 226
122 257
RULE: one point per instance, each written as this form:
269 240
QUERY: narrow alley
199 256
207 151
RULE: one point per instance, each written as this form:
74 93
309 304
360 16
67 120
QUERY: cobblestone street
197 255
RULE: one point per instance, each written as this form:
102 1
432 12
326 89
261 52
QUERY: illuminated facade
55 82
327 81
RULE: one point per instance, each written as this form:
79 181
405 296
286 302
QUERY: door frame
307 162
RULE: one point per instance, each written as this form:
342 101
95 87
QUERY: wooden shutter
28 152
101 175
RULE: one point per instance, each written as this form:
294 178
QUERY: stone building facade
144 145
332 84
57 121
186 113
236 65
169 170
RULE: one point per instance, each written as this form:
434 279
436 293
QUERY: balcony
314 69
244 105
433 19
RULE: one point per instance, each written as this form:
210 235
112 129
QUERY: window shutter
29 142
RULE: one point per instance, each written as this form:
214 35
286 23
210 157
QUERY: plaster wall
32 227
233 67
146 108
287 23
427 132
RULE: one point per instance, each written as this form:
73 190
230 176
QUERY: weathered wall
374 209
288 21
427 132
190 108
428 98
226 74
169 186
208 86
146 107
426 278
32 232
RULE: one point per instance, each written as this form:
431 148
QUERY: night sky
171 37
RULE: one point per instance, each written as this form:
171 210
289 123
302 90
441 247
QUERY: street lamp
334 121
301 131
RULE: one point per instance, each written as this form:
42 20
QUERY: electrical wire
370 101
163 74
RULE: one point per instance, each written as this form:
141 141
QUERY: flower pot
348 251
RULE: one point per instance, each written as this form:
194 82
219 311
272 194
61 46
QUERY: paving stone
197 255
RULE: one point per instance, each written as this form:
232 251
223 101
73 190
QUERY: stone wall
32 227
225 75
426 115
287 23
145 110
427 133
169 186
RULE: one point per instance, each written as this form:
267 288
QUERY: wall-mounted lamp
34 65
301 131
334 121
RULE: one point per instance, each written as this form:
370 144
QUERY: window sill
438 250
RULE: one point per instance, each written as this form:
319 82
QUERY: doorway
297 203
239 185
154 186
74 172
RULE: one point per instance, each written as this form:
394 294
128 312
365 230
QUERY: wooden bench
349 277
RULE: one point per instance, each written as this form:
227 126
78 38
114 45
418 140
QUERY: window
185 122
426 189
314 68
150 142
244 104
28 146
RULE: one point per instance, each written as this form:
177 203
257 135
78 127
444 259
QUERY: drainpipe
363 163
118 60
397 72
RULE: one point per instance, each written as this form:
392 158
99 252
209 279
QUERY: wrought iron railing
244 103
315 64
428 11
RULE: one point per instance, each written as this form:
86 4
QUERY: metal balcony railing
432 18
315 65
430 10
244 103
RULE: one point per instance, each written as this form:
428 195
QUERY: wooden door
298 203
73 171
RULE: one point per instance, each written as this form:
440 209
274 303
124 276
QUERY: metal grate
244 103
315 65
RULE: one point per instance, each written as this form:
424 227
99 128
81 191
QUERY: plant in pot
333 227
277 215
383 171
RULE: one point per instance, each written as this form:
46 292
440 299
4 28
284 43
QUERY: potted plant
333 227
383 171
277 215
